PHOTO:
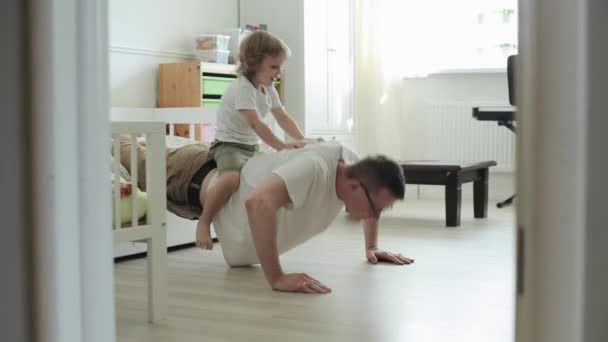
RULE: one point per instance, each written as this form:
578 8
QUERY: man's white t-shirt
231 125
310 176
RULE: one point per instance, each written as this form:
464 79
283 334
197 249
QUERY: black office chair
504 117
511 78
511 64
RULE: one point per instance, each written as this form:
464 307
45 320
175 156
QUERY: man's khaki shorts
231 156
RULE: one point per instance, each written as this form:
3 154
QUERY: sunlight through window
417 38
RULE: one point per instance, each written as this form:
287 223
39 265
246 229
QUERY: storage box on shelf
214 85
211 42
195 84
212 48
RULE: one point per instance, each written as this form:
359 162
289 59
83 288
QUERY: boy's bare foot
203 236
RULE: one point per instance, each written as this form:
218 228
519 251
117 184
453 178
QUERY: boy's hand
293 145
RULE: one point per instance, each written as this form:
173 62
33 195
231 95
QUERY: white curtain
383 122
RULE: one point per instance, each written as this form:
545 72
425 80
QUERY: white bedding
172 141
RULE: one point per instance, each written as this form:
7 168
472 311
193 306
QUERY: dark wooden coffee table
452 175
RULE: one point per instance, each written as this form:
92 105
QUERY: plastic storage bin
213 85
211 42
211 102
213 56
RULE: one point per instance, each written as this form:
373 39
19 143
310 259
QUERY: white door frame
562 167
71 187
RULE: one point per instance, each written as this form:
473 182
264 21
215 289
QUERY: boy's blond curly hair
255 47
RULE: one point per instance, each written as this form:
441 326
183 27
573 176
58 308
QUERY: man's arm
262 206
370 231
287 123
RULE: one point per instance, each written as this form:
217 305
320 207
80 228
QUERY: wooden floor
461 287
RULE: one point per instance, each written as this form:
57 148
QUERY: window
329 67
420 37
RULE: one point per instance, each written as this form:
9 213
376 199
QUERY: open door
562 167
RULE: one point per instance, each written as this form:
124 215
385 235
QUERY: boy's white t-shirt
231 125
310 176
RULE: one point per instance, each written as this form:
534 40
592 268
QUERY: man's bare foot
203 236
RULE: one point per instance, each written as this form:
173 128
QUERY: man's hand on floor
299 282
374 255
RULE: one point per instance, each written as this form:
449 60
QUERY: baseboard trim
144 254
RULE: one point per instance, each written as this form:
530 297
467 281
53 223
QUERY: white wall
144 34
284 18
471 88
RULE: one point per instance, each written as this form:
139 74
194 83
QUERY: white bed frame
171 116
180 231
152 232
165 229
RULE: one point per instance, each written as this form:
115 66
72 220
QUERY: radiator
452 134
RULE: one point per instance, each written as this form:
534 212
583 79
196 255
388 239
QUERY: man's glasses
375 211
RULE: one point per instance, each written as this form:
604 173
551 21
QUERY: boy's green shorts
231 156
